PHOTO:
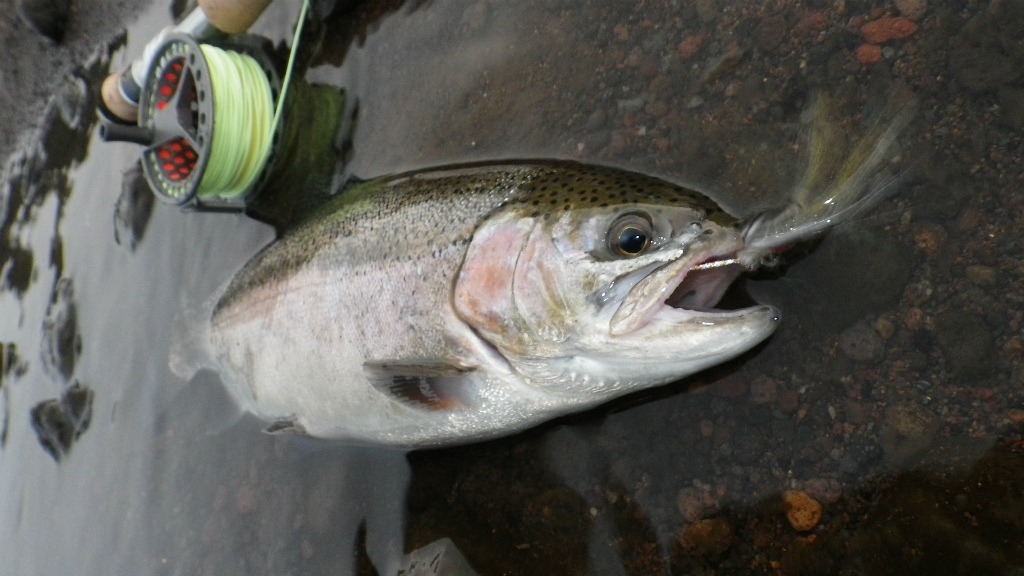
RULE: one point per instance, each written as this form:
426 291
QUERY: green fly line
245 119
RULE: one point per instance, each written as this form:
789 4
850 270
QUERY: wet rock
1011 107
694 504
61 341
827 490
133 209
59 422
860 342
869 54
708 537
979 59
763 390
812 23
913 9
770 33
10 365
788 401
982 275
909 430
982 68
18 276
930 238
707 10
966 343
48 17
888 29
802 511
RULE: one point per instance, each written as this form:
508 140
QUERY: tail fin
839 181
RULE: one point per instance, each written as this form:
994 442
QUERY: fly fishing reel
206 119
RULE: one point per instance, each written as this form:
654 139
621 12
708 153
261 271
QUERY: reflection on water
892 396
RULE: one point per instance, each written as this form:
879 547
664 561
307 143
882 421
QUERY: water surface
892 394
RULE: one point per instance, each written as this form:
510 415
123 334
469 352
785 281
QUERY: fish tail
839 181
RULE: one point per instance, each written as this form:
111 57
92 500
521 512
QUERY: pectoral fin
425 385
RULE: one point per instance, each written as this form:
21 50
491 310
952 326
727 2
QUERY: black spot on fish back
562 186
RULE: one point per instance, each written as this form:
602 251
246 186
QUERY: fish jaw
677 342
676 284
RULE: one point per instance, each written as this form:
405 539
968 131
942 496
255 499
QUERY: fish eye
630 235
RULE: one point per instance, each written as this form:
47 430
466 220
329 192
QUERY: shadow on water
878 432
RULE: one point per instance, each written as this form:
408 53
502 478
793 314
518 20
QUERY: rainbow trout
454 305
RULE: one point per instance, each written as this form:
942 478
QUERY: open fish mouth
677 291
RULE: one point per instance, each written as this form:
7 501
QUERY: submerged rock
966 343
61 341
133 209
48 17
59 422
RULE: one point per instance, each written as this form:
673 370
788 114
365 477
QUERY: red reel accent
178 159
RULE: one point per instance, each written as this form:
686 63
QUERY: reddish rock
930 238
689 46
810 24
913 9
621 32
763 390
708 537
1017 416
886 29
788 401
802 511
869 54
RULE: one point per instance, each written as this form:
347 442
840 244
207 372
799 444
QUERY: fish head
604 286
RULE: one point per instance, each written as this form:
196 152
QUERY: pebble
913 9
885 328
811 23
886 29
930 238
1016 416
707 10
788 401
708 537
908 432
827 490
913 319
802 511
860 342
689 46
966 343
769 33
981 275
1011 107
869 54
693 503
763 390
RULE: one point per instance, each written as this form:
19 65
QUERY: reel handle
119 93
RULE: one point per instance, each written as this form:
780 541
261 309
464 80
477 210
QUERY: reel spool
206 117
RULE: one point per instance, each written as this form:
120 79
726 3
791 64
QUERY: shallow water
892 394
